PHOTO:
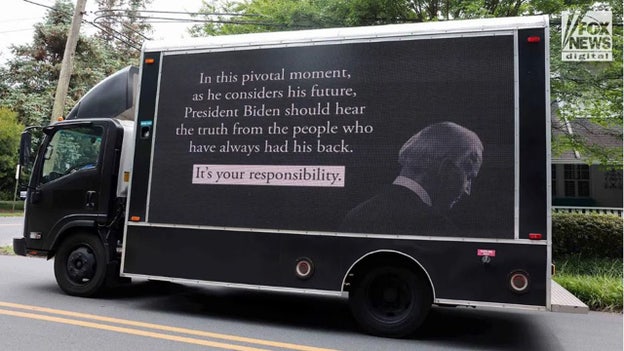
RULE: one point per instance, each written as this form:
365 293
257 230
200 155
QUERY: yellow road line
129 331
152 326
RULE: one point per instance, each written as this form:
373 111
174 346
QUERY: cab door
71 181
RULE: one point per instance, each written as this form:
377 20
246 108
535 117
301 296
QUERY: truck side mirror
24 150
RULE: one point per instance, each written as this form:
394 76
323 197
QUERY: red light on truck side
534 39
535 236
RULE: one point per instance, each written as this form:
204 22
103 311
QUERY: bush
7 206
592 235
9 144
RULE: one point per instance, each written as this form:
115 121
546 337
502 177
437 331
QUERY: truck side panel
268 260
251 158
534 136
143 135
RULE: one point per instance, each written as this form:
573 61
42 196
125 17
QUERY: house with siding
579 182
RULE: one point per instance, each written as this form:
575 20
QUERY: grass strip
11 214
600 293
7 250
595 281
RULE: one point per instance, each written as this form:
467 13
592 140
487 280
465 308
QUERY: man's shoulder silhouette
395 210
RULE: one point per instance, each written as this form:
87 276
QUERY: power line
144 15
20 19
15 30
127 27
41 5
184 13
110 31
192 20
141 14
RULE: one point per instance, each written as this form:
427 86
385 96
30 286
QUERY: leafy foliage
10 131
7 207
30 77
587 97
123 29
596 236
6 250
271 15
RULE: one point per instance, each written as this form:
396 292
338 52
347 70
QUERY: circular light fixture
519 281
304 268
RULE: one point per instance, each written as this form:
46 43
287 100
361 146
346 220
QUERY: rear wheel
390 301
80 265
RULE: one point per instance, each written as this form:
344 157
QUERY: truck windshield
71 150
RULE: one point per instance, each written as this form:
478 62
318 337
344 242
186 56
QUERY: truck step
562 300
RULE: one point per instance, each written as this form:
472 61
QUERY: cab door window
71 150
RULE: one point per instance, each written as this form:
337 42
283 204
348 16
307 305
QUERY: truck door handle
91 196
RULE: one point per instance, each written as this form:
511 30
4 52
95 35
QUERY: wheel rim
81 265
389 298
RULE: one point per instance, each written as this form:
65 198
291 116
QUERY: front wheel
390 301
80 265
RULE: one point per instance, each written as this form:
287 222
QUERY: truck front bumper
19 246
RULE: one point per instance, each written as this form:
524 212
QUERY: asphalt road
36 315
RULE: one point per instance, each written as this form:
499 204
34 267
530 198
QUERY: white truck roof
308 37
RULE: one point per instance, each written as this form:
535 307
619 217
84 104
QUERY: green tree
275 15
30 77
121 25
587 97
10 131
270 15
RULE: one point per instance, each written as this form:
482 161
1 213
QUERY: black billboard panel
392 137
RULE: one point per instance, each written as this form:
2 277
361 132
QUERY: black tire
390 301
80 265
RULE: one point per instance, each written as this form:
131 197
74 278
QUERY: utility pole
68 61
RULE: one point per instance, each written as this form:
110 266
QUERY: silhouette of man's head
443 158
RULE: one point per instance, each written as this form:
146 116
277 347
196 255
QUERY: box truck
401 166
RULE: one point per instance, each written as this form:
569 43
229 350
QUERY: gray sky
17 18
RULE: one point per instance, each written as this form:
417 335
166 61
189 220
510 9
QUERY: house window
576 180
553 185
